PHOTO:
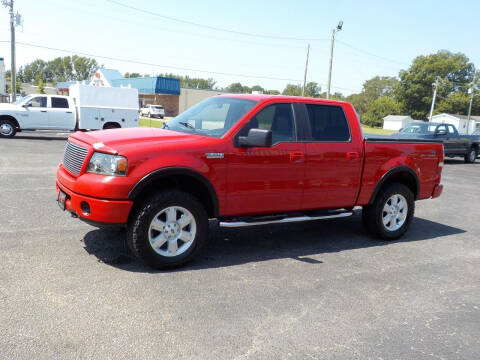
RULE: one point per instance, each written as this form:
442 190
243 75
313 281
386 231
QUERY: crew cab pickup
244 160
87 108
466 146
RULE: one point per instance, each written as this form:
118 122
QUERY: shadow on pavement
229 247
41 137
459 161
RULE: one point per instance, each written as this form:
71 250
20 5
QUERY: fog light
85 208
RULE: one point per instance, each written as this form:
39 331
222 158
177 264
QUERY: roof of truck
260 97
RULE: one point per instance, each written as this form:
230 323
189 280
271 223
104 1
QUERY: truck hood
114 140
10 107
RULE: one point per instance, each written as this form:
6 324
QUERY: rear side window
328 123
451 130
40 101
59 103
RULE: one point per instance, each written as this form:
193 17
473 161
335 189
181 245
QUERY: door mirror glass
257 138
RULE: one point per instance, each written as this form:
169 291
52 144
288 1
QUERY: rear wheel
7 129
168 229
471 155
391 213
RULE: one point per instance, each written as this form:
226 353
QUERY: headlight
106 164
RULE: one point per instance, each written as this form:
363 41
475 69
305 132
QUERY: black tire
144 214
471 155
110 126
372 215
7 128
161 117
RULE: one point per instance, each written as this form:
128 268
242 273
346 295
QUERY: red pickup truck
243 160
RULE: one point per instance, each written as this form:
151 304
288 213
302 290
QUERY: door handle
68 112
43 110
353 155
296 156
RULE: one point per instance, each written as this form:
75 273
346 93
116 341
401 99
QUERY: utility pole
435 85
306 67
14 19
338 28
472 91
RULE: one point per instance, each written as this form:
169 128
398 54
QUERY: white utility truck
87 108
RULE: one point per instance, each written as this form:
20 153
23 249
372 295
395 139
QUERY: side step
286 219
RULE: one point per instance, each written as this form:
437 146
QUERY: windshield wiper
165 126
187 125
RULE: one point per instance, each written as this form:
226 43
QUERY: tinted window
328 123
38 102
59 103
278 118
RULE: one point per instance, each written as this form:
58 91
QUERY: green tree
257 88
235 88
373 89
312 89
272 92
378 109
41 86
132 75
414 89
292 90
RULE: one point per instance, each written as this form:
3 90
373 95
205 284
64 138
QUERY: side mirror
26 105
440 132
256 138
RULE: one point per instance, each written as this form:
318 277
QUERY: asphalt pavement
320 290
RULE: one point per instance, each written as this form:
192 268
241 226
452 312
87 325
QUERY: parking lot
322 290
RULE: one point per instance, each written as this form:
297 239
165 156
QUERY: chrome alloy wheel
395 212
472 155
172 231
6 129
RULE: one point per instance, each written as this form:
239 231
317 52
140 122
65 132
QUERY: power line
212 27
372 54
166 66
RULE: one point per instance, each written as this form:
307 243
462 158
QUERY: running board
234 224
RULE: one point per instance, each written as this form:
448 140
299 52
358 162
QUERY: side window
40 101
450 129
59 103
328 123
441 128
276 117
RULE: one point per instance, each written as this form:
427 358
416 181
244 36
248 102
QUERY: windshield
419 129
22 100
158 107
212 117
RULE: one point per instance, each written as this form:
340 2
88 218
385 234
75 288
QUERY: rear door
60 115
267 180
333 159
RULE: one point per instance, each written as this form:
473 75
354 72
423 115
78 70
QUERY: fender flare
392 172
173 171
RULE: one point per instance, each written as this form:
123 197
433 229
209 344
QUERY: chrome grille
74 157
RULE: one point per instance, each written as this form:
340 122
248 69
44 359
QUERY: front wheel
168 229
471 155
7 129
391 213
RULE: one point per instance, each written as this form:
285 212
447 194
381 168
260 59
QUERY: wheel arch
11 118
185 179
111 125
401 174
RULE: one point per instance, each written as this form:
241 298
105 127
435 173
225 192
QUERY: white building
396 122
459 121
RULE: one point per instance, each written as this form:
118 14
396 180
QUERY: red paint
288 176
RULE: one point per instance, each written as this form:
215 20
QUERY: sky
378 37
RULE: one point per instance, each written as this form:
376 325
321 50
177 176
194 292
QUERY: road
322 290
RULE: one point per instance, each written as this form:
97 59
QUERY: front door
36 113
267 180
333 159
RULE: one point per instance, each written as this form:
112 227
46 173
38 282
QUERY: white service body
87 108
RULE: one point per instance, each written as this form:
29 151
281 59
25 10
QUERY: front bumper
437 191
101 211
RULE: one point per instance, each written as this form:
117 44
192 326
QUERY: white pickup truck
87 108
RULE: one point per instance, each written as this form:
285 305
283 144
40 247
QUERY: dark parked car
454 144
